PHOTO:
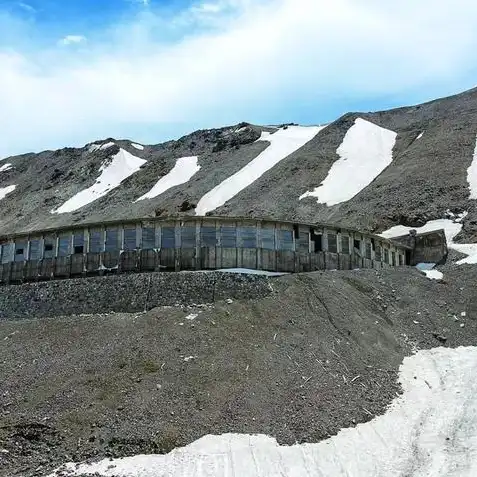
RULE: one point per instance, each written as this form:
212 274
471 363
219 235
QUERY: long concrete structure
205 243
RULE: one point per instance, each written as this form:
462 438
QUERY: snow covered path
282 143
121 166
429 431
182 172
6 190
451 227
365 152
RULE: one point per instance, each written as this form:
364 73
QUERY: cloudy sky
73 71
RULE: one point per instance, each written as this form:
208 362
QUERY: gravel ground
319 354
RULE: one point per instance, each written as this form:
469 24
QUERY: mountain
403 166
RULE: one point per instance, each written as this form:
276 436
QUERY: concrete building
205 243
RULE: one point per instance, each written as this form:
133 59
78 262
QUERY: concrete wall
430 247
190 244
132 293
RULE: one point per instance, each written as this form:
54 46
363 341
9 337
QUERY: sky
74 71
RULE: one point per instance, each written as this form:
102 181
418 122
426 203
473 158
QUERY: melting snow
472 176
282 143
420 135
121 166
138 146
451 229
6 167
182 172
430 430
6 190
365 152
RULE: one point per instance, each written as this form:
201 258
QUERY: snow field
121 166
365 152
429 431
182 172
6 167
282 143
4 191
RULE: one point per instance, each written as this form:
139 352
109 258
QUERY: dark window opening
401 260
48 247
296 231
408 257
393 258
345 244
19 251
332 243
368 251
79 249
317 239
377 253
357 246
386 256
372 244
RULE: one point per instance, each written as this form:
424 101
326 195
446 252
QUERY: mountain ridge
427 176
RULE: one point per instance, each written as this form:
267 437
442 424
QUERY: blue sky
74 71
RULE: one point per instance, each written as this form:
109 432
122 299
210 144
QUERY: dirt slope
318 355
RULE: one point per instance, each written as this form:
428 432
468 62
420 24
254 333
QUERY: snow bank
282 143
6 167
181 173
451 229
6 190
138 146
121 166
472 176
365 152
420 135
431 431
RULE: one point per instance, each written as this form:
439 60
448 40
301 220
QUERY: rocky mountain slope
403 166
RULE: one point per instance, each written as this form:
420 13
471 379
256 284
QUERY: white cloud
256 55
27 7
72 39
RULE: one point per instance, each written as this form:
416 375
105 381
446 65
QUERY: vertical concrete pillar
198 245
258 229
139 235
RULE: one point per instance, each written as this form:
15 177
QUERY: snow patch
431 429
249 271
138 146
472 176
451 228
282 143
420 135
113 172
181 173
433 274
6 167
365 152
100 147
6 190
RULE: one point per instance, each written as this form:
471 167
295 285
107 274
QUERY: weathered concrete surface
126 293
